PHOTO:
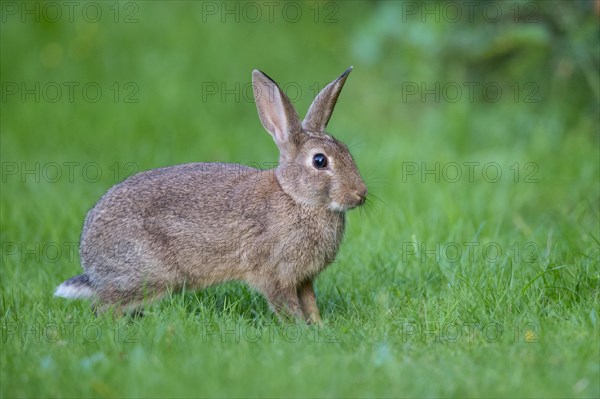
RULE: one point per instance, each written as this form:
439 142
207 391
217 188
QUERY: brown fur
207 223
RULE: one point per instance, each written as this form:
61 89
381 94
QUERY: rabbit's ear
321 108
275 110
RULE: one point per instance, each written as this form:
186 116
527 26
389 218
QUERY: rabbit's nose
361 193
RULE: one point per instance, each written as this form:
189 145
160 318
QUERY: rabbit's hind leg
123 303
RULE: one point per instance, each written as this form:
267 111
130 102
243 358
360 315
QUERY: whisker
369 209
352 145
371 195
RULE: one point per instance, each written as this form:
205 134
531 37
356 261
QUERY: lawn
472 271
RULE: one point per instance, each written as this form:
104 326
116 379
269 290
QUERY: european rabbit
200 224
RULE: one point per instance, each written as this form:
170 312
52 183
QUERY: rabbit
199 224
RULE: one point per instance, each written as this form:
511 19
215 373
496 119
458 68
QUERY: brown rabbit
200 224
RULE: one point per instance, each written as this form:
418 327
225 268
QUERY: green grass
417 304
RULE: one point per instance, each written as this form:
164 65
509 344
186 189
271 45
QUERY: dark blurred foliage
553 44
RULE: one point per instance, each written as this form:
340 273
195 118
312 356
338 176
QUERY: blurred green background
94 91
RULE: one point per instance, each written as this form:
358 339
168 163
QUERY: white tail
75 288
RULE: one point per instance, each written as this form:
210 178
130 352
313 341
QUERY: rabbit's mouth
343 206
350 200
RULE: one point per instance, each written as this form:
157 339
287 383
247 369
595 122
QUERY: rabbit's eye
320 161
